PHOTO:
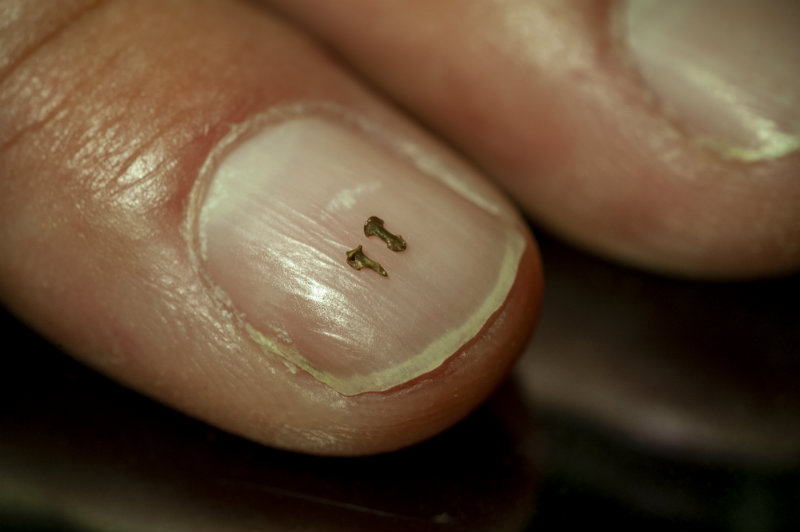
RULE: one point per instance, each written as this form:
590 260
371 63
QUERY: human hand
112 110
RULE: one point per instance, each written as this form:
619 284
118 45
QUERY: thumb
181 184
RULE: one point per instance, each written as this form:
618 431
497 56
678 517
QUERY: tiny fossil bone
374 226
357 260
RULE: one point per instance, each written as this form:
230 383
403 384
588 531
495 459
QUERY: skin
110 108
542 95
97 166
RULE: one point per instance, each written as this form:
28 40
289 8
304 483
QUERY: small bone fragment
357 259
374 226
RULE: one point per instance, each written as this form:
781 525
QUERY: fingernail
283 199
725 70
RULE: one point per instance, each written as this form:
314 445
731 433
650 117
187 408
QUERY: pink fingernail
284 198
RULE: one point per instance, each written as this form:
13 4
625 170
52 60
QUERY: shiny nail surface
278 200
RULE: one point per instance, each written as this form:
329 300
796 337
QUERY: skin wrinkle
102 141
158 135
124 160
130 177
103 137
31 49
67 97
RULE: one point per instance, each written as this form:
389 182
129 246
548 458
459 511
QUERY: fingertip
114 252
405 354
668 142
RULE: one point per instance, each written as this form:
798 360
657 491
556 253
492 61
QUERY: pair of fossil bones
374 226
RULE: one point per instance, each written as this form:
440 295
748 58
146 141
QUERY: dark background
640 401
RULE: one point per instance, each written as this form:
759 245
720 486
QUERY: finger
180 185
662 134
